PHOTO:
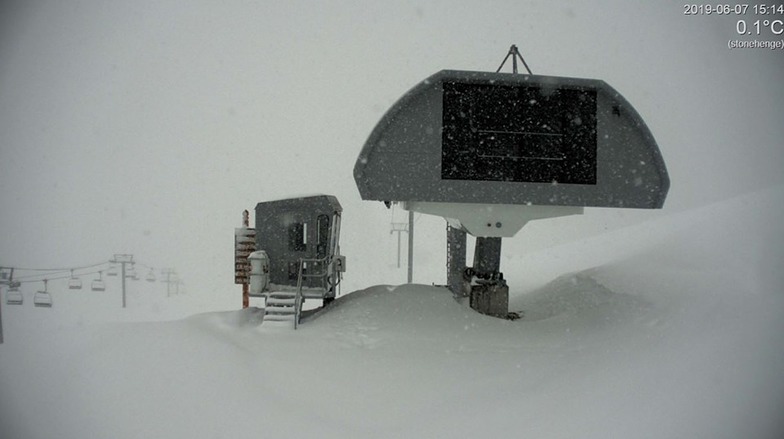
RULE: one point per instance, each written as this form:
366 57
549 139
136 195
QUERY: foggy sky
147 127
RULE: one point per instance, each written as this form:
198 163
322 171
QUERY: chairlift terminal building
297 228
491 151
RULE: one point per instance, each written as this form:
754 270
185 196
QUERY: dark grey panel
518 133
418 152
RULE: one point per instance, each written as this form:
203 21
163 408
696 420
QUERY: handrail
298 296
300 275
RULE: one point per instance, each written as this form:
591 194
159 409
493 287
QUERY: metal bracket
514 53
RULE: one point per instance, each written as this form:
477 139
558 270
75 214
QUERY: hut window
298 237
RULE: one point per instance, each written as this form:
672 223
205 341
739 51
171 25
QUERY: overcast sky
146 127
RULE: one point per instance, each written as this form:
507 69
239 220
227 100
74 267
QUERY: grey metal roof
612 161
312 202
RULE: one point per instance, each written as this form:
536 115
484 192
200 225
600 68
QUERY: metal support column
410 246
398 228
122 260
171 278
123 284
245 285
455 259
490 295
1 321
487 255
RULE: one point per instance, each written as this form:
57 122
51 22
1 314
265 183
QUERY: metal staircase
281 308
284 308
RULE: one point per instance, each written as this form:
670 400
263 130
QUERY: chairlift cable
143 265
55 271
52 276
59 269
67 273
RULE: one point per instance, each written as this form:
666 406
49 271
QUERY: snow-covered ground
147 127
669 328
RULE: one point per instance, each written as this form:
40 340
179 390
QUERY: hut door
322 240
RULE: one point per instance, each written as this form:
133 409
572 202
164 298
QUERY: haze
147 127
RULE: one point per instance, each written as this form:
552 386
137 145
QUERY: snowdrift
675 334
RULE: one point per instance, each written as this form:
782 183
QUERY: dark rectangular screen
518 133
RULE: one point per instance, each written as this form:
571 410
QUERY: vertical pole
168 273
245 289
398 248
513 52
10 281
487 255
399 228
455 259
123 283
1 321
122 260
410 246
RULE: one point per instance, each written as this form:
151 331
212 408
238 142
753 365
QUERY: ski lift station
492 151
489 152
298 257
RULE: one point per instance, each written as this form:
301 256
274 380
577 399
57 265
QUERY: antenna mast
514 53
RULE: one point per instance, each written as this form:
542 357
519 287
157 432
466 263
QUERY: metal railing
300 277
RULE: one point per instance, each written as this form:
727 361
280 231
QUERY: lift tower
491 151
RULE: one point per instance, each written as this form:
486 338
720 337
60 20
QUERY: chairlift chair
42 299
112 271
98 284
14 297
151 276
132 274
74 283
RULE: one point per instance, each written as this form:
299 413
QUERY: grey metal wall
275 221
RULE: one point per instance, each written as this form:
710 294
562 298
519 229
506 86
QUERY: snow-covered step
281 309
281 301
282 294
279 317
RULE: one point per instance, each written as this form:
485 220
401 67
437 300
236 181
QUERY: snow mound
575 295
394 307
414 316
229 320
